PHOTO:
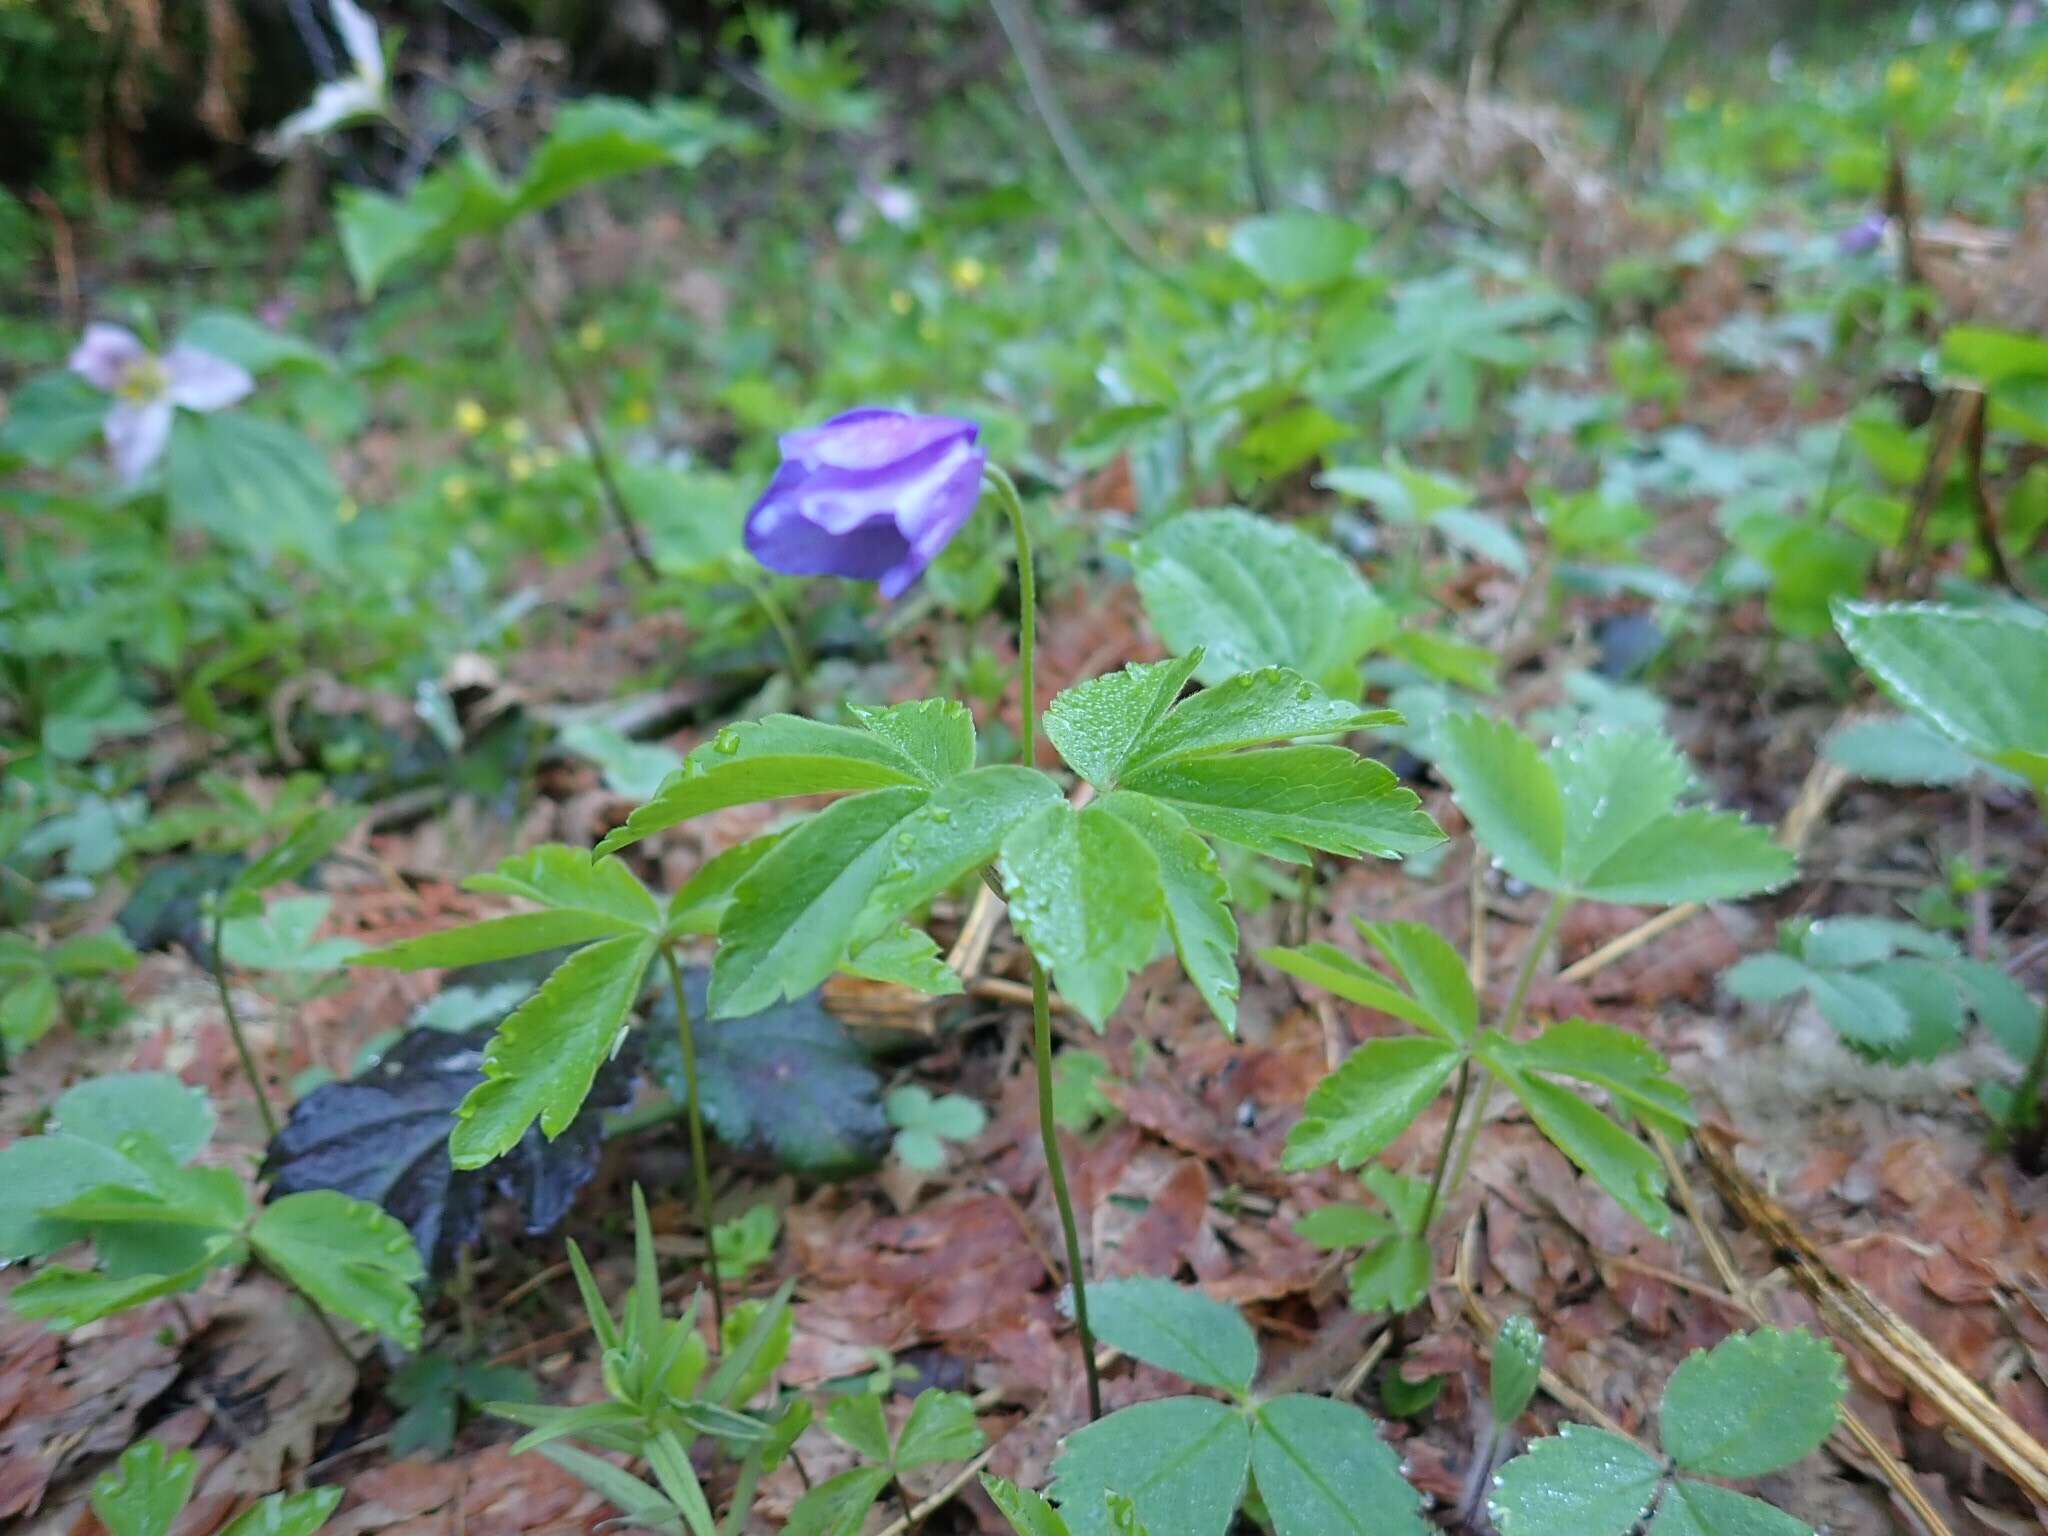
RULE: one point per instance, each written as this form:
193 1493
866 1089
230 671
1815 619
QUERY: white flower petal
335 104
203 381
136 435
359 37
105 353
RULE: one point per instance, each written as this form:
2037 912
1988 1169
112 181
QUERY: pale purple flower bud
148 390
1863 237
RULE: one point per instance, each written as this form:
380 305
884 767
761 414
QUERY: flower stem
1041 994
687 1039
227 1007
586 418
1443 1151
771 609
1048 1129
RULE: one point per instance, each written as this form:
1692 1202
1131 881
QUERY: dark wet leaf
789 1082
383 1137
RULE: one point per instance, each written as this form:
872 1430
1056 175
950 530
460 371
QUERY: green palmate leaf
953 834
1256 593
1391 1276
1344 1226
1028 1514
1249 710
1197 898
1297 253
562 878
1977 677
602 137
907 957
70 1298
286 1514
859 1420
1328 967
794 914
380 234
1617 1162
254 484
1753 1403
941 1427
1086 894
103 1110
701 903
1626 1065
1101 726
351 1257
771 759
1178 1329
1360 1108
838 1506
1693 855
146 1491
52 417
1284 801
1508 793
1182 1461
1517 1366
937 735
1899 749
544 1056
1322 1470
1578 1482
1701 1509
281 939
1436 994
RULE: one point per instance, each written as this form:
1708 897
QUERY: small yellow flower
1698 99
545 458
901 301
470 417
1732 113
1217 236
520 466
1900 76
969 274
455 490
515 429
590 335
346 512
639 411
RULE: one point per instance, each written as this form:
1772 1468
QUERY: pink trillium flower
148 390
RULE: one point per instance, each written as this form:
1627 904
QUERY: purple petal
202 381
872 438
105 353
1862 237
939 519
136 435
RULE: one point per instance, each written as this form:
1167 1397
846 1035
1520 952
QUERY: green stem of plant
227 1008
1041 993
319 1312
586 419
1443 1151
687 1039
1509 1019
2025 1111
764 598
742 1495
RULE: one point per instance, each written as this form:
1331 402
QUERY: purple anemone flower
1862 237
148 390
872 495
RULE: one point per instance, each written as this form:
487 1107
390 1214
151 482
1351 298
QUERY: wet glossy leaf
1182 1461
1178 1329
349 1256
1517 1366
1753 1403
1632 1071
1085 893
286 1514
253 483
941 1427
1700 1509
1101 725
146 1491
1360 1108
1617 1162
1322 1469
1028 1514
1284 801
1197 898
1578 1482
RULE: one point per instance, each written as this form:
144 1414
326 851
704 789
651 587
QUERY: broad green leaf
92 954
1297 252
1617 1162
1252 592
770 759
1360 1108
794 914
30 1007
602 137
542 1059
1516 1368
281 939
941 1427
146 1491
1344 1226
1578 1482
906 957
1391 1276
1863 1008
1028 1514
52 417
1322 1469
562 878
1979 677
1753 1403
1614 786
838 1506
937 735
1899 749
352 1257
163 1193
954 833
1182 1461
70 1298
1101 725
1486 536
253 483
500 938
1284 801
256 346
379 234
1508 794
286 1514
1693 855
700 905
1632 1071
1249 710
1700 1509
1086 893
1197 898
39 1173
1993 356
858 1419
103 1110
1766 978
1177 1328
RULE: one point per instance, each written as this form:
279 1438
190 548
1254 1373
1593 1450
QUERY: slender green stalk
586 419
1041 995
687 1039
1443 1151
1509 1019
764 597
2022 1116
227 1007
